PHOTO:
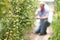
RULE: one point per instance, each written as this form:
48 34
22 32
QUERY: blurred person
43 12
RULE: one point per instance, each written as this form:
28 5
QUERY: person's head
42 4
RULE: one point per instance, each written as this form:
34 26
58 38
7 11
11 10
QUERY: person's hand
37 18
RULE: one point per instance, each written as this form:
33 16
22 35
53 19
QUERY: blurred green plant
15 17
56 22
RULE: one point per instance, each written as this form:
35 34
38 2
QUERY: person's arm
45 17
36 13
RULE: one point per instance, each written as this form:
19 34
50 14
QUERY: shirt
42 14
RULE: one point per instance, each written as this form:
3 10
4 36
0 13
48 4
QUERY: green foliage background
15 17
56 22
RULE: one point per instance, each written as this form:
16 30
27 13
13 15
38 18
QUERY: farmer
43 13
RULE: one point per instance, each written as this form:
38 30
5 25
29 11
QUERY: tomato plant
15 17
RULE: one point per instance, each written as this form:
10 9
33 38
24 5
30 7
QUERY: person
44 14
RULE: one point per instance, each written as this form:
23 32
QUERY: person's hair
42 3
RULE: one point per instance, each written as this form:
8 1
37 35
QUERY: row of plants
15 17
56 22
